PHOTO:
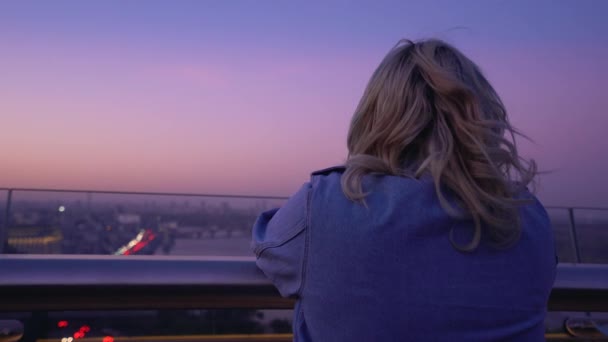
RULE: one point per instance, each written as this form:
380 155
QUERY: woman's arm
279 239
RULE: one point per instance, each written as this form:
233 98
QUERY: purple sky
248 97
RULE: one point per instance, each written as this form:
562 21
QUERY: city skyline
250 97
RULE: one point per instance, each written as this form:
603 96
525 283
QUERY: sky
249 97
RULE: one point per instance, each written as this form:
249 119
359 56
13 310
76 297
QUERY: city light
108 339
61 208
67 339
137 243
62 324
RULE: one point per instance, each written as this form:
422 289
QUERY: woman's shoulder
329 170
326 186
327 178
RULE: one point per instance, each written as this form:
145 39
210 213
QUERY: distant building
128 219
35 240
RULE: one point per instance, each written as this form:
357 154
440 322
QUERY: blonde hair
428 109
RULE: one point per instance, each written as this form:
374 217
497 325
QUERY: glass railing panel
592 233
3 203
47 222
122 223
561 227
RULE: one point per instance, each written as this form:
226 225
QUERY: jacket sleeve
278 241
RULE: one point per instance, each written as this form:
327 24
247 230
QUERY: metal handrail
41 282
47 283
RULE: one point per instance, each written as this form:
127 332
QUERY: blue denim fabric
389 273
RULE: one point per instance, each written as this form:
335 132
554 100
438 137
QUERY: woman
428 232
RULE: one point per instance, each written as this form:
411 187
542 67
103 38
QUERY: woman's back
389 272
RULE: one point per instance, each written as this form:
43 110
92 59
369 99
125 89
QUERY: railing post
7 220
573 236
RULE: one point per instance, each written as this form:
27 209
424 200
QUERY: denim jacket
388 272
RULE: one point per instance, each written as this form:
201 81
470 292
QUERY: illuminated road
184 338
247 338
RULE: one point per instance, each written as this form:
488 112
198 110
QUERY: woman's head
428 109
